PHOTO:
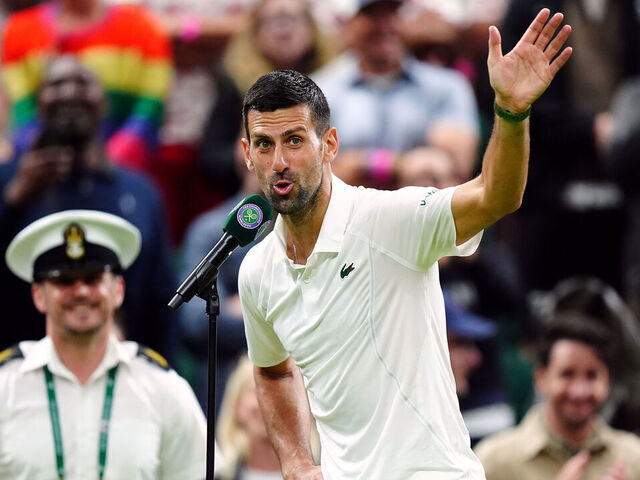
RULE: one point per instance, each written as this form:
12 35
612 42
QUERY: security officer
80 403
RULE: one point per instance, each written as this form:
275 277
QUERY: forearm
505 165
285 410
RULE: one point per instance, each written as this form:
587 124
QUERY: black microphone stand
213 310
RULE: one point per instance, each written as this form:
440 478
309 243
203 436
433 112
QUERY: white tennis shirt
364 320
157 429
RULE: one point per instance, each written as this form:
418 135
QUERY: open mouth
282 187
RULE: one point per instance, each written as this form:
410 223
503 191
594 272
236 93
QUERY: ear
331 144
247 157
38 297
540 379
118 291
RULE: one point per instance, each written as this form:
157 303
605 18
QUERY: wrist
511 114
190 28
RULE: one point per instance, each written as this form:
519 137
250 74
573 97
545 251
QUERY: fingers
560 60
549 29
556 44
536 26
574 467
495 45
617 472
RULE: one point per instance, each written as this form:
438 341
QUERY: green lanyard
104 427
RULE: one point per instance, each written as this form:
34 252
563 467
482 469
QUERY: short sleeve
416 225
183 454
264 346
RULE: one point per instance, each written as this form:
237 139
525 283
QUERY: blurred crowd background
410 96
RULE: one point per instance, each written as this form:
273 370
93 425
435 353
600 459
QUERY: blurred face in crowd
71 101
284 32
79 305
465 358
375 36
576 382
290 159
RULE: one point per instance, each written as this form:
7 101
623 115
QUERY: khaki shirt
530 452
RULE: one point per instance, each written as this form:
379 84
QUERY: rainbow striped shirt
128 51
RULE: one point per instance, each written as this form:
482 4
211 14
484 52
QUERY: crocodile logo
346 270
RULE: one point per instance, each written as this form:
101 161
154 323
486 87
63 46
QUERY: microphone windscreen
244 222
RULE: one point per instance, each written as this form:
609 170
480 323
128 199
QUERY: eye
295 140
263 143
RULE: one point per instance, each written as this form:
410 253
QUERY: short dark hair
578 326
284 89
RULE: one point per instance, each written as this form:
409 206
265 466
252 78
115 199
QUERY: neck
81 354
262 456
303 228
369 67
572 436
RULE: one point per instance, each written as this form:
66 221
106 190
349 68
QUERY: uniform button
306 279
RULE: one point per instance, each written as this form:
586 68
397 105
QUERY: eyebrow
284 134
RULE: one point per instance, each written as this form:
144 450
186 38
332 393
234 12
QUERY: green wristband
510 116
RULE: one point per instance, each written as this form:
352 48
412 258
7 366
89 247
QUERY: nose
69 90
280 164
580 389
80 288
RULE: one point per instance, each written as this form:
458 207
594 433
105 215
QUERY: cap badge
74 241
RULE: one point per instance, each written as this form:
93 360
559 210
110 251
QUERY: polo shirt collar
334 223
44 353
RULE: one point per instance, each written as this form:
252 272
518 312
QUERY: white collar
44 353
334 223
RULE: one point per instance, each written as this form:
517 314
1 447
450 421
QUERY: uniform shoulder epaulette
10 353
153 357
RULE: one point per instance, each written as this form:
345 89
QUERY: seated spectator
67 168
386 103
282 35
484 409
241 432
194 324
123 45
564 438
599 300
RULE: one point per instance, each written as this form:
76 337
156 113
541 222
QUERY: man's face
81 305
290 160
375 36
71 101
576 381
284 33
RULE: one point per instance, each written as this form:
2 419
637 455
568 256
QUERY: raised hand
521 76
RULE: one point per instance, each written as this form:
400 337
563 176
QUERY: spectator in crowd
386 103
282 35
599 300
569 194
200 31
484 411
564 438
123 45
241 431
201 236
67 167
117 410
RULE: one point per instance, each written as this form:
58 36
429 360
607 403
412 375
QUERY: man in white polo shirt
80 404
346 286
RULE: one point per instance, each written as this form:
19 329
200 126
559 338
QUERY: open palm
521 76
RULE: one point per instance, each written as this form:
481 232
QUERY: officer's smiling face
291 160
79 307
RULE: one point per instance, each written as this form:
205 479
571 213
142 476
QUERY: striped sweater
126 49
